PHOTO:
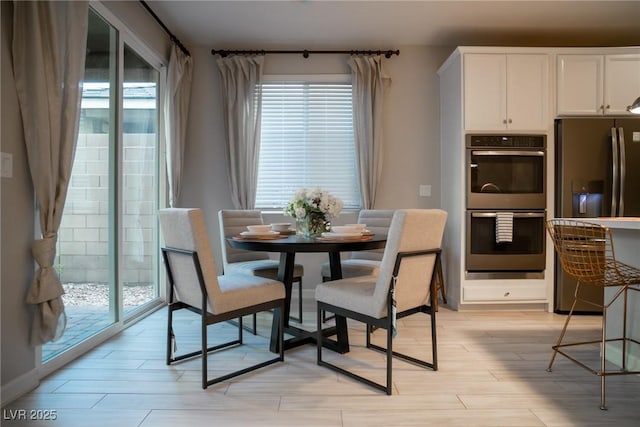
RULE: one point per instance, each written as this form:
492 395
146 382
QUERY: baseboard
20 386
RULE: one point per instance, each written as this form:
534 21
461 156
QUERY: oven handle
506 153
515 214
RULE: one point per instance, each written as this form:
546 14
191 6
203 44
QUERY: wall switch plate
635 136
6 165
424 190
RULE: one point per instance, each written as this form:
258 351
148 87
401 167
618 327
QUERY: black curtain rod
305 53
171 35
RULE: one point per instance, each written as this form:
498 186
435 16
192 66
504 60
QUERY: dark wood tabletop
288 246
295 243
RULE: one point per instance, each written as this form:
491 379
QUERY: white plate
281 226
254 234
261 228
341 235
343 229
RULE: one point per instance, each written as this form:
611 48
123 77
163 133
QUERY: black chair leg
299 318
325 318
300 300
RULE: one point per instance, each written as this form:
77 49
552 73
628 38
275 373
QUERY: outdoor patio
87 309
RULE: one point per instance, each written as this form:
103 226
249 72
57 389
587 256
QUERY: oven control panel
507 141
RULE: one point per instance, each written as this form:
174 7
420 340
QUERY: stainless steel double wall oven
505 177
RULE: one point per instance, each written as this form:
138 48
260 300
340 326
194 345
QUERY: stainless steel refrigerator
597 174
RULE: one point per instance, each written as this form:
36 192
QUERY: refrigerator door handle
614 181
623 162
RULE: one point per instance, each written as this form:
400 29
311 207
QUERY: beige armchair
195 286
405 285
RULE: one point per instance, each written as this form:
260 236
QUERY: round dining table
288 246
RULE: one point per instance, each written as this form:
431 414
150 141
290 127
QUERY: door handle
623 169
507 153
614 180
515 214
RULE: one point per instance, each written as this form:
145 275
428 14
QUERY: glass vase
312 225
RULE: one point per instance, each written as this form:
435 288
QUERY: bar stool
586 253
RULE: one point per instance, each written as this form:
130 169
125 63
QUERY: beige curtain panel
49 48
368 82
176 110
241 89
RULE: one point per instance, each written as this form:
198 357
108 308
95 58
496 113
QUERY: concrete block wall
83 239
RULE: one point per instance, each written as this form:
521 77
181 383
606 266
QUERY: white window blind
307 141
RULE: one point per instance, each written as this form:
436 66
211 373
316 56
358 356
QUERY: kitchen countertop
629 223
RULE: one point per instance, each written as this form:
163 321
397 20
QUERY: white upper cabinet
506 91
621 82
597 84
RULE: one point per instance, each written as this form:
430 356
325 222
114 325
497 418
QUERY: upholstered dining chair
363 263
195 286
586 253
405 285
233 222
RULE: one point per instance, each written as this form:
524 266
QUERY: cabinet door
527 92
485 105
622 82
580 85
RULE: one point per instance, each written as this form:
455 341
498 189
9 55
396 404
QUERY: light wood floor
491 373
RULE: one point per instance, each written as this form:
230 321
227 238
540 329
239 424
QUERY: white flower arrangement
309 201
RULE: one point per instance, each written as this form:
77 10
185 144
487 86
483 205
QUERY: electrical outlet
6 165
424 190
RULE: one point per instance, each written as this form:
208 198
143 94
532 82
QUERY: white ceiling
357 24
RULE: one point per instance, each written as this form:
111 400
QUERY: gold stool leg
603 358
562 333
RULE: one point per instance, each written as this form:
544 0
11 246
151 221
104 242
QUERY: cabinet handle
602 107
608 106
504 122
510 121
515 215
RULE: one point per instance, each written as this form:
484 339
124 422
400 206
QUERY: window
307 139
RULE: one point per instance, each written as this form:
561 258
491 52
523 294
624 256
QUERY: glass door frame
144 53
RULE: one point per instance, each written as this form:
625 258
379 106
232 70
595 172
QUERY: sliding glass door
107 255
139 185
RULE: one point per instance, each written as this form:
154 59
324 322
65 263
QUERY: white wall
17 224
412 138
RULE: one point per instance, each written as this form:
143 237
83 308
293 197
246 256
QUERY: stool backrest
584 249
